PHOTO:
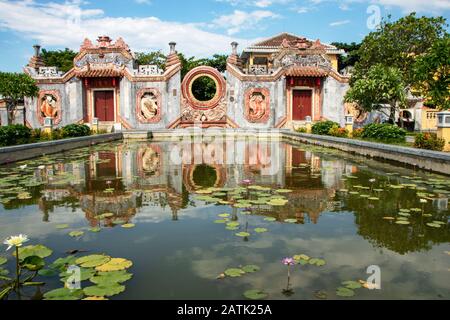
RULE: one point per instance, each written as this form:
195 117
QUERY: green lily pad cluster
239 272
303 260
106 274
348 288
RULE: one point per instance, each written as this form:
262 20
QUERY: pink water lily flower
288 261
247 181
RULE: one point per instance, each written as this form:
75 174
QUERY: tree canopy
152 58
63 59
398 44
352 54
432 74
13 88
381 85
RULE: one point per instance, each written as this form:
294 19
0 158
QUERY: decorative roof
99 73
304 71
104 42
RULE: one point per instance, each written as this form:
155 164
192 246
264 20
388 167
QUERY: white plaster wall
333 100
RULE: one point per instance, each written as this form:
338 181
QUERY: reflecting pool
214 220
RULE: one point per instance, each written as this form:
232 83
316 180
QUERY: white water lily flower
15 241
41 167
423 201
23 167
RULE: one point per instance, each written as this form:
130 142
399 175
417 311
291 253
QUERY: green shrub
75 130
336 131
357 133
301 130
15 134
384 132
323 127
429 141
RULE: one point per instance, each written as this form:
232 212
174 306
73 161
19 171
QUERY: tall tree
154 58
352 55
432 74
379 87
14 87
398 44
63 59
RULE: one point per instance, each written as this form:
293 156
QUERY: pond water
195 216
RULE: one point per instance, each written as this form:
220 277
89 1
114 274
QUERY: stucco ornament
257 105
49 106
148 107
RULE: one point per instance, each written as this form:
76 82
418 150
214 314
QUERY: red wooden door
104 105
301 104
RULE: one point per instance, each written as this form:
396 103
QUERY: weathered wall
236 90
333 100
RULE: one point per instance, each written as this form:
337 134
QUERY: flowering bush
357 133
429 141
336 131
323 127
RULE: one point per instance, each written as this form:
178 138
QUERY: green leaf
85 274
93 260
250 268
34 250
47 272
128 225
301 257
234 272
255 294
62 226
352 284
64 294
104 290
433 225
33 263
62 262
243 234
345 292
261 230
3 260
270 219
76 234
110 278
95 230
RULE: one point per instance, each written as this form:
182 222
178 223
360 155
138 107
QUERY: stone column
308 124
349 122
443 128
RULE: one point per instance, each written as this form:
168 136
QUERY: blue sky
200 27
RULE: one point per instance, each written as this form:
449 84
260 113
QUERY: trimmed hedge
323 127
384 132
19 134
14 134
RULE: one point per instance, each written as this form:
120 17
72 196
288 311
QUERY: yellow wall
334 61
429 119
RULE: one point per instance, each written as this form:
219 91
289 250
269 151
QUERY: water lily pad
115 264
128 225
374 198
93 298
301 257
85 274
404 214
317 262
243 234
403 222
3 260
34 250
221 221
234 272
95 230
3 272
388 218
255 294
250 268
33 263
108 278
290 220
76 234
224 215
62 226
47 272
233 224
63 294
270 219
104 290
322 295
261 230
105 215
60 263
283 191
433 225
352 284
92 260
344 292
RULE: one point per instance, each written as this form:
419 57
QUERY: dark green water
334 211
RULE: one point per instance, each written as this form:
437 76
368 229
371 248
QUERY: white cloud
241 20
67 24
339 23
434 6
143 1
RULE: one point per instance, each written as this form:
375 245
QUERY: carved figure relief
257 105
148 107
49 106
150 160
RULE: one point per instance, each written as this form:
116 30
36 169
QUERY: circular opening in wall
204 176
204 88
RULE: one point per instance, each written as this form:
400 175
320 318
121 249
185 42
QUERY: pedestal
308 124
349 124
48 126
443 128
